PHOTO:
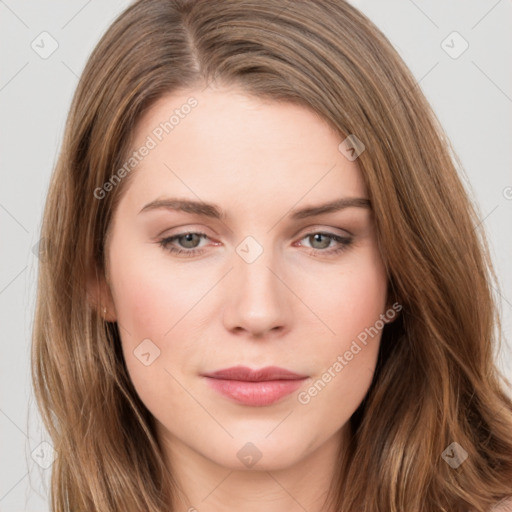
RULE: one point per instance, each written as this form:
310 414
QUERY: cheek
143 301
146 310
350 308
345 360
151 295
155 304
349 299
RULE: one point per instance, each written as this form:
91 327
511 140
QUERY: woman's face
262 280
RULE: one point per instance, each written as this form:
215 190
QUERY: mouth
255 387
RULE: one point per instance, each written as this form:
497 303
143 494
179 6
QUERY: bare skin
297 305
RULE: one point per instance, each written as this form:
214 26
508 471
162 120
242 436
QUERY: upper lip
246 374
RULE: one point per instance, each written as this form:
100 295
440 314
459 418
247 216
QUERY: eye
189 242
320 243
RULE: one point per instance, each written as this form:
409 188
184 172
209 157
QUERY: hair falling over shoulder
436 381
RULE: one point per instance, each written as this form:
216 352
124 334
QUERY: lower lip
255 393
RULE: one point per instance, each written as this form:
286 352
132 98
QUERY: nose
259 302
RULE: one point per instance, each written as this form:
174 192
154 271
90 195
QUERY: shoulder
504 506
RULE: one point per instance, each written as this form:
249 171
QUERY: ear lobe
100 297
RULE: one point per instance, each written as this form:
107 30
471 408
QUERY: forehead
222 143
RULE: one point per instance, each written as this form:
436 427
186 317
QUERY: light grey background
471 94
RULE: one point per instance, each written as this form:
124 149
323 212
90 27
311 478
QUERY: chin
257 453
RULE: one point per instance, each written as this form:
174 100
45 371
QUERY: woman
263 289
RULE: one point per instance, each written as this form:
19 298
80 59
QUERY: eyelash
344 241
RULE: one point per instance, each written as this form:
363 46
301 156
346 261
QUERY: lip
244 373
255 387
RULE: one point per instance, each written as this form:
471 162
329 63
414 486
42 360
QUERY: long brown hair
436 381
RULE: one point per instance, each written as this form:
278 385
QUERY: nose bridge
258 301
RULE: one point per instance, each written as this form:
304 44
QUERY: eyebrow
214 211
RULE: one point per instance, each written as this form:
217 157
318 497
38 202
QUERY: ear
100 296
